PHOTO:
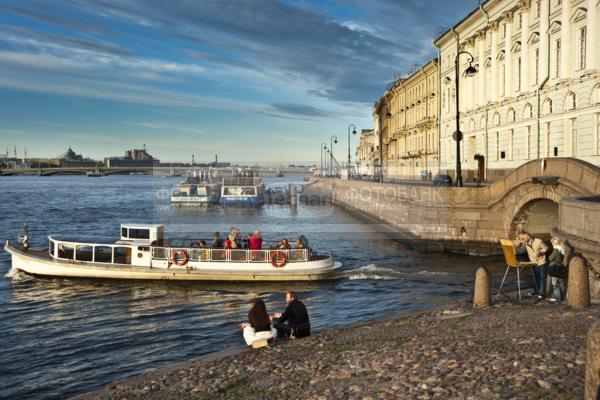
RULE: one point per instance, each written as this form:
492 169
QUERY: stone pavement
531 351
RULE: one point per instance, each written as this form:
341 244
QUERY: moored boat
142 253
242 188
94 174
198 189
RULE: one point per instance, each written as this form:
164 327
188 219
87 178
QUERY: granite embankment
533 351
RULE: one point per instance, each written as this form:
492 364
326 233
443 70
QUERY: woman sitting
259 324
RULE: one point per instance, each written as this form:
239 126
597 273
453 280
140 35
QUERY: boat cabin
132 248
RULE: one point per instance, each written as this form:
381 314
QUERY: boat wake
17 275
372 272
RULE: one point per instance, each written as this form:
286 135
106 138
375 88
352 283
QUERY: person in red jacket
256 240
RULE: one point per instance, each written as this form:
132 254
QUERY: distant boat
94 174
243 188
278 174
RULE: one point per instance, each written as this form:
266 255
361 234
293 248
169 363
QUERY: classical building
365 152
537 90
407 120
133 158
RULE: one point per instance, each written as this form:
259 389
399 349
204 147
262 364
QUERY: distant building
365 152
133 158
70 159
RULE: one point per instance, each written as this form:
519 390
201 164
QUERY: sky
252 81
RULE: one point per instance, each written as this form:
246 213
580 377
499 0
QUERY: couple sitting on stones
293 323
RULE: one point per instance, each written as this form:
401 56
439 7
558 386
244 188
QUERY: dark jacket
295 313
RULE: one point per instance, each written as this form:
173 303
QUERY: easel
510 255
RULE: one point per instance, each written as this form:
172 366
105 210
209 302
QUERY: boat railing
231 255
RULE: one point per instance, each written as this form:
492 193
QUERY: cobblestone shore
533 351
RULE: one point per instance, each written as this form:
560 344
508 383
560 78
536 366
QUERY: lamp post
470 71
388 116
354 133
333 139
323 147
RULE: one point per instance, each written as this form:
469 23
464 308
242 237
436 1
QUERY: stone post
293 195
578 293
482 297
592 363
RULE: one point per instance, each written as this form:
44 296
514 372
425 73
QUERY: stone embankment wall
473 219
579 224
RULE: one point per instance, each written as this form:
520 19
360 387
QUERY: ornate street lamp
458 136
333 139
354 133
323 147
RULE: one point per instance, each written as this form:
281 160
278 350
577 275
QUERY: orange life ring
183 257
281 259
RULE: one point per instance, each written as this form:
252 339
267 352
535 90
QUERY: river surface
64 337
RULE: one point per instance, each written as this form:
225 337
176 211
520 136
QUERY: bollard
482 297
592 363
293 195
578 293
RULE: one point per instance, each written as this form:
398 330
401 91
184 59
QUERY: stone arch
547 106
496 120
528 111
510 115
538 217
596 95
570 102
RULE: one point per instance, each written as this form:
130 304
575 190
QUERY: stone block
589 180
574 172
579 284
482 296
592 363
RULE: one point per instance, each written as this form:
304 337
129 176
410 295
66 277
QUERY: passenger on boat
202 244
285 245
304 241
233 239
217 241
259 324
296 316
255 241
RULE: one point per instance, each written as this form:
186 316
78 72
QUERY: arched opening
537 217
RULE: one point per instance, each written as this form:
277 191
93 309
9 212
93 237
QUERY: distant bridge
163 171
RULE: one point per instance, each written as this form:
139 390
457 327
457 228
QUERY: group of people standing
550 261
292 323
253 241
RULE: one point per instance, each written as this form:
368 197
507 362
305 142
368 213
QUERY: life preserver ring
179 257
278 259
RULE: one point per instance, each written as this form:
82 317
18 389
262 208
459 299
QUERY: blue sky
255 81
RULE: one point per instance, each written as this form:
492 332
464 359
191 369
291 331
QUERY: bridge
162 171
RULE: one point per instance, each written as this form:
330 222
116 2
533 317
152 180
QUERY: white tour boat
198 189
142 252
242 188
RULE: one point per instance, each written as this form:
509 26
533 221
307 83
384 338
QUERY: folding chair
510 255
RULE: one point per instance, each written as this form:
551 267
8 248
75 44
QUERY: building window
497 146
582 46
519 63
511 134
520 21
538 9
527 142
537 66
572 139
503 92
548 149
557 61
503 30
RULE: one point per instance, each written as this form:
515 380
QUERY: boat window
51 247
201 190
249 191
239 191
66 251
139 233
123 232
84 253
103 254
122 255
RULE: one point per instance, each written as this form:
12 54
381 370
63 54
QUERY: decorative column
525 82
565 40
481 79
544 26
494 55
508 60
592 62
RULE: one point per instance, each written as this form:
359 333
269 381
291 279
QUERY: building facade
536 93
407 115
368 145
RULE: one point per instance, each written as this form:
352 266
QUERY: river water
64 337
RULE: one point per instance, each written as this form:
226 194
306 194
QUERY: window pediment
579 14
534 38
554 27
500 56
516 47
488 62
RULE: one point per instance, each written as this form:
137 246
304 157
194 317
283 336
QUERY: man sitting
298 324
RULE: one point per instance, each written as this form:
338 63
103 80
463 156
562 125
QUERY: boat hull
39 264
242 201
